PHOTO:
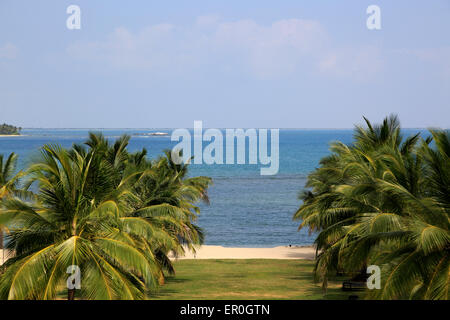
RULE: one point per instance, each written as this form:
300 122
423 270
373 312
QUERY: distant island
6 129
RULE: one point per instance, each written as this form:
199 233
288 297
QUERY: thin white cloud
358 62
439 57
8 51
205 21
281 48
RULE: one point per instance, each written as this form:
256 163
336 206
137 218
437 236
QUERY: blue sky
276 64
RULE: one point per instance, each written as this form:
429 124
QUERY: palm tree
161 198
158 187
418 264
8 182
115 215
72 222
165 197
384 201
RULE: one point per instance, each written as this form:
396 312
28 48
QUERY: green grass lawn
246 279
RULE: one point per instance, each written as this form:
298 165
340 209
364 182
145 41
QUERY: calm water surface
247 209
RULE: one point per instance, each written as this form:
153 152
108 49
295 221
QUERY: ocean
246 209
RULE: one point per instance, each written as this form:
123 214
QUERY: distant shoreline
221 128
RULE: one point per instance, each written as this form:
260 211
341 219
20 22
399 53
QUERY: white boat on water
158 134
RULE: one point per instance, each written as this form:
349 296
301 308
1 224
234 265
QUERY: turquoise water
246 209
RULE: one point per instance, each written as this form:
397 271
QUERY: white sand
219 252
9 136
4 255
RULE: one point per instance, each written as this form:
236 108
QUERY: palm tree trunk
1 238
161 278
325 285
70 294
1 246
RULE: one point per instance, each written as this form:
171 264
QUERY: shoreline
4 255
12 135
220 252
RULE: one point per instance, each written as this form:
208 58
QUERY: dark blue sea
246 209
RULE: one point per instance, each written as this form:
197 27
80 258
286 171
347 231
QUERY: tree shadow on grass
338 294
164 291
237 276
174 279
224 261
301 276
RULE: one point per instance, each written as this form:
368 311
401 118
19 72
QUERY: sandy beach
219 252
281 252
4 255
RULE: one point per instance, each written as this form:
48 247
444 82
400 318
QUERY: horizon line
221 128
